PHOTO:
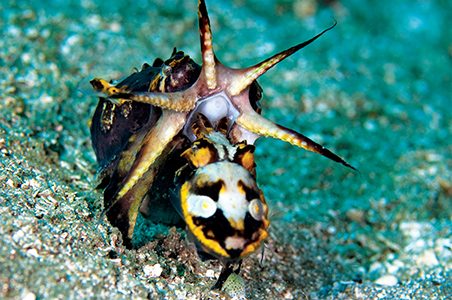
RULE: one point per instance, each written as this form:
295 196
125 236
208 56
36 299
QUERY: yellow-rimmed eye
256 209
201 206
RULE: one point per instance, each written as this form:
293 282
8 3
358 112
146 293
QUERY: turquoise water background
376 90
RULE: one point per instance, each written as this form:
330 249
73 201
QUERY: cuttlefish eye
201 206
256 209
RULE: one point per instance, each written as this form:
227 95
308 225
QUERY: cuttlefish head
221 203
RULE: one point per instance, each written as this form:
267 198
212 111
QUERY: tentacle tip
350 166
344 163
332 26
96 83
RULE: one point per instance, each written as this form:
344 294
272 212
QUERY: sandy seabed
376 90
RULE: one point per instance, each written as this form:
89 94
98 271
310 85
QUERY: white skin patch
234 242
256 209
220 142
215 108
201 206
231 200
245 135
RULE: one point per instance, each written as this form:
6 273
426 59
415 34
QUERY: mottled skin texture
117 138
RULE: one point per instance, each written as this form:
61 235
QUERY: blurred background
376 90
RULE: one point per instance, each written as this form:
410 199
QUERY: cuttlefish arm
125 203
255 123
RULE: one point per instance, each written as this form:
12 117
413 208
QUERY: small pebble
356 215
11 183
387 280
210 273
427 258
414 229
153 271
234 286
29 296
